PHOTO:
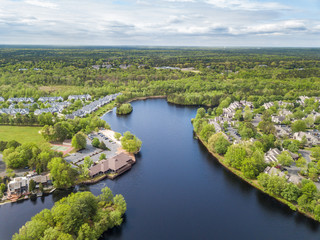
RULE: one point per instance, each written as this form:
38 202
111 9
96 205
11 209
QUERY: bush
95 142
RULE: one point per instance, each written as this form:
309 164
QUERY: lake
177 190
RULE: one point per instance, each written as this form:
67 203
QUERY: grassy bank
21 134
255 183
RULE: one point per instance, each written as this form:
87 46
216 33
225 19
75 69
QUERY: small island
124 109
78 216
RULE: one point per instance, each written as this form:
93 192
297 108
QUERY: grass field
21 134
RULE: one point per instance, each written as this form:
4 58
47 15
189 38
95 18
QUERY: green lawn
21 134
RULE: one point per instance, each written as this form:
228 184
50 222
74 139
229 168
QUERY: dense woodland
258 75
79 216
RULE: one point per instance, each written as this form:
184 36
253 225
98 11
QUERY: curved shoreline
293 207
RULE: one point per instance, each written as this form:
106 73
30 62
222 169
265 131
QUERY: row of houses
20 185
14 111
93 106
86 97
17 100
57 105
50 99
118 164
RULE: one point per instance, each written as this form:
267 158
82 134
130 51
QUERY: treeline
35 156
66 129
79 216
257 75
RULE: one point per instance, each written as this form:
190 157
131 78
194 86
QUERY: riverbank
147 97
254 183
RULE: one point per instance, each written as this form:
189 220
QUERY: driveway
305 154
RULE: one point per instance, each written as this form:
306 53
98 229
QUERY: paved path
305 154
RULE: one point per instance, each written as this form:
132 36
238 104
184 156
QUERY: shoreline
145 98
293 207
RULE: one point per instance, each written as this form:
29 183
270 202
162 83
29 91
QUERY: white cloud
44 4
160 22
247 5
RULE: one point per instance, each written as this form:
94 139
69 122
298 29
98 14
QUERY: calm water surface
176 190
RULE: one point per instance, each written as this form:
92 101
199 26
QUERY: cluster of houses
116 165
168 68
93 106
289 177
230 111
20 185
227 117
26 69
57 105
311 137
109 66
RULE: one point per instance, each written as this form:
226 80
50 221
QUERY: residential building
282 131
311 139
268 105
20 185
17 100
14 111
275 172
85 97
271 155
50 99
278 119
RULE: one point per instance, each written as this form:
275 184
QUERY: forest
201 76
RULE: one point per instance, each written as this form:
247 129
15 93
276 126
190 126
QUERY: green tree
291 192
103 146
130 143
117 135
301 162
86 233
285 158
315 152
106 195
207 131
62 174
221 145
120 203
79 141
32 185
95 142
102 156
125 108
235 155
299 126
201 112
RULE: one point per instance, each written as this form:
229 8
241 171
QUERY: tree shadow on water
115 232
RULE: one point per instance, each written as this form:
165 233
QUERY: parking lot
92 152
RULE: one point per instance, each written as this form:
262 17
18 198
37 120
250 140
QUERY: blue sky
263 23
